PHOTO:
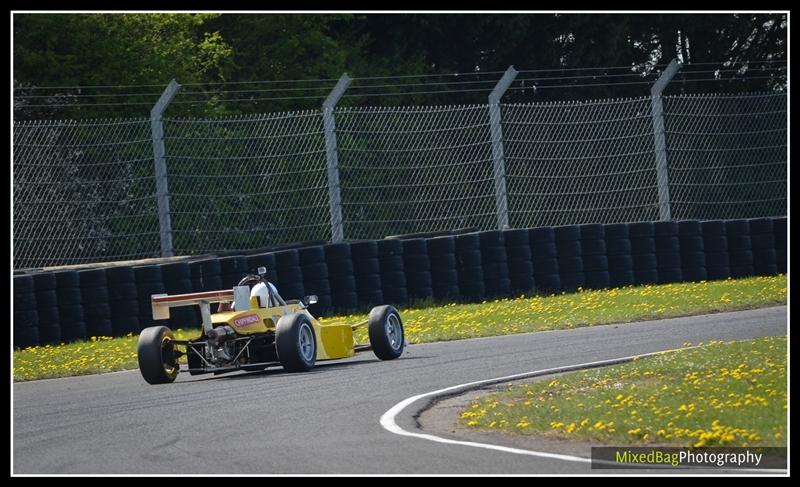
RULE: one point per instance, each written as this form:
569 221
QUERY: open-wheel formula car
254 328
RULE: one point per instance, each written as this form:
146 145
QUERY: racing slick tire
157 362
386 333
296 343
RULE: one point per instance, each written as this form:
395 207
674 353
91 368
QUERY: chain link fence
727 155
84 191
415 169
246 182
580 162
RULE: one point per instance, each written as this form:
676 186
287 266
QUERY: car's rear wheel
156 354
386 333
296 343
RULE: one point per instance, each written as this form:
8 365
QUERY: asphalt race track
324 421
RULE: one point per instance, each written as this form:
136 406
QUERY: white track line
388 418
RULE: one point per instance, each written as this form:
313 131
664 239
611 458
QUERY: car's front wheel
156 354
296 343
386 333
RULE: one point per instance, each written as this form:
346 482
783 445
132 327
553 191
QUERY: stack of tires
779 229
123 299
315 278
96 310
715 244
693 251
340 274
70 306
594 256
148 282
367 271
177 279
740 248
643 251
290 275
545 260
232 269
618 251
570 262
26 318
44 286
210 275
469 267
520 260
668 252
444 270
196 276
393 274
495 264
418 268
762 238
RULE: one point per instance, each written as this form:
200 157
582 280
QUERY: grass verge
722 394
430 322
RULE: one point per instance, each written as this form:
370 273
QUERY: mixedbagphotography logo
678 457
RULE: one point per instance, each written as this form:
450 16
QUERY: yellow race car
254 328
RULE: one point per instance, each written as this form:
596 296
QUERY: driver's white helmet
261 291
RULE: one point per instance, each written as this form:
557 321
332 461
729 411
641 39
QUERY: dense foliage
133 50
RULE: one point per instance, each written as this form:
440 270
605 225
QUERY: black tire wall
66 305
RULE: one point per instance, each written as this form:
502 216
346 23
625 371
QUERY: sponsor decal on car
246 320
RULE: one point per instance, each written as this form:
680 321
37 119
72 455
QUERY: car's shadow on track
277 370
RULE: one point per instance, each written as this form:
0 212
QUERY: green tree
142 49
110 50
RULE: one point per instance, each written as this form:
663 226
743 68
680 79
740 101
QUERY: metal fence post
500 192
334 189
657 111
159 157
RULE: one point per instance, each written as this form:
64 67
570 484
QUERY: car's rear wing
161 303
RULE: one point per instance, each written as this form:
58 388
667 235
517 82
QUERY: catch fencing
86 191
